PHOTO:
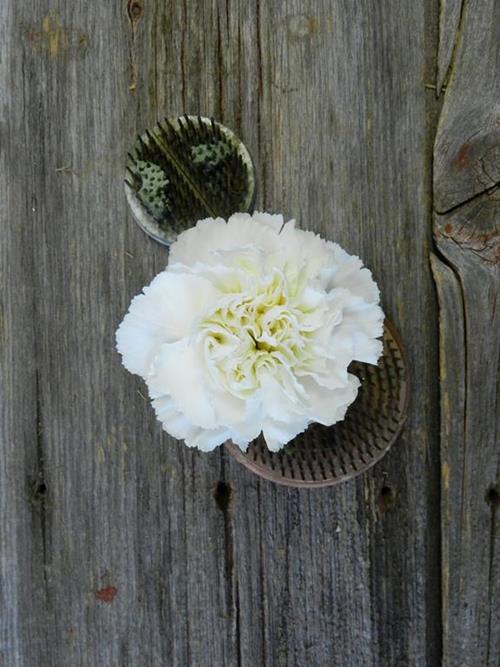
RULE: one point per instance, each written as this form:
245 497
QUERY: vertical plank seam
263 600
220 69
231 578
43 517
490 576
41 478
238 623
183 55
494 506
239 111
154 29
187 615
463 508
260 92
434 527
445 547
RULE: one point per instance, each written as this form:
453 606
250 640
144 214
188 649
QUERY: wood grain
466 155
450 15
467 233
119 546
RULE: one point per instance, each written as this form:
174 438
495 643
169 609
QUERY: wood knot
135 10
301 26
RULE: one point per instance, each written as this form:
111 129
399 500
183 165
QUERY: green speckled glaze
186 169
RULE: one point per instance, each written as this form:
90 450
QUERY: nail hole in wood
493 496
41 489
386 499
222 495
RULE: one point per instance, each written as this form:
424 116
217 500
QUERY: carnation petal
178 426
280 404
177 371
347 271
172 420
277 433
303 249
367 350
165 312
206 440
329 407
212 237
272 220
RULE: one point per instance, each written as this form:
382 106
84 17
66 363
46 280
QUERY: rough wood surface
119 546
467 273
450 14
467 149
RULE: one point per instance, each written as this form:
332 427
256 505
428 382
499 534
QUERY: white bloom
250 329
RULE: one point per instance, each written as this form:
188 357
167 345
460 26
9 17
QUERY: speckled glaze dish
186 169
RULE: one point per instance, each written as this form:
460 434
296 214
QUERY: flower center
252 333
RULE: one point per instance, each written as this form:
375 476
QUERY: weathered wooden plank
23 529
338 578
468 281
126 547
452 383
470 355
124 555
466 154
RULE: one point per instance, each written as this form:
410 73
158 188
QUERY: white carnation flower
250 329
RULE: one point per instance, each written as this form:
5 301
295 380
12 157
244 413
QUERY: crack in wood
486 191
239 654
223 494
263 597
41 485
220 70
260 92
472 227
450 30
183 56
491 579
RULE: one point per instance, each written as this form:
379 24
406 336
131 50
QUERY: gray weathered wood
450 13
121 547
467 147
467 233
